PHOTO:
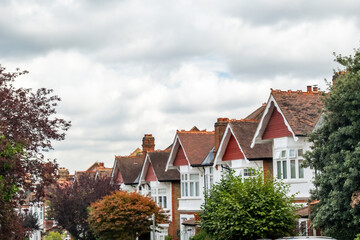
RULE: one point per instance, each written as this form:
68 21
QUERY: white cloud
126 68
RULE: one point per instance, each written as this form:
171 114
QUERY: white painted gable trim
224 143
144 167
112 180
257 137
174 150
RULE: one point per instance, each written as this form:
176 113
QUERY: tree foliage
336 154
68 203
27 127
248 209
30 222
55 236
124 215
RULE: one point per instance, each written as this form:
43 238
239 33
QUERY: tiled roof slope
78 174
196 145
129 167
104 172
244 131
257 114
302 110
158 160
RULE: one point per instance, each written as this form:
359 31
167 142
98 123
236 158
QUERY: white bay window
190 185
289 164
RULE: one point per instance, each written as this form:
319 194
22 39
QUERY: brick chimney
336 75
148 143
220 127
308 89
63 173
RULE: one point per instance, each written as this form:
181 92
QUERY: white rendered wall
299 186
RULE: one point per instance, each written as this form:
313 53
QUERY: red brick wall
174 226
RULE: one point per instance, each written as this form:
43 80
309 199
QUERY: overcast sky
130 67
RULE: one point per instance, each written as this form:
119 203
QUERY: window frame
190 188
289 167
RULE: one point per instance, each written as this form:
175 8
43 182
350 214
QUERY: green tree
55 236
124 215
335 154
248 209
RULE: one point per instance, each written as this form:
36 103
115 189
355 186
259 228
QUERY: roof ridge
196 132
128 156
311 92
244 120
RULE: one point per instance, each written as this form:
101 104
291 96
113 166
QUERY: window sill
190 198
295 180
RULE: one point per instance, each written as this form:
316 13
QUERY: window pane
206 183
292 153
300 152
283 153
197 189
278 169
211 170
162 191
194 177
160 201
191 189
284 169
211 181
292 168
165 201
301 169
186 190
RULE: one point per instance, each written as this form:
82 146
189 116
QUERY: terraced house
272 138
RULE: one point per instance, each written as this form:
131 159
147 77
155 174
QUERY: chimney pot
315 88
308 88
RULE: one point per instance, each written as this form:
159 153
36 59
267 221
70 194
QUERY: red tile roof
158 160
196 144
302 110
129 167
244 131
257 114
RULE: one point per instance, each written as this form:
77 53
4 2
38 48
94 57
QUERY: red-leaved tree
27 126
124 215
68 203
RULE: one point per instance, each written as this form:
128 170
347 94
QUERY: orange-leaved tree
124 215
